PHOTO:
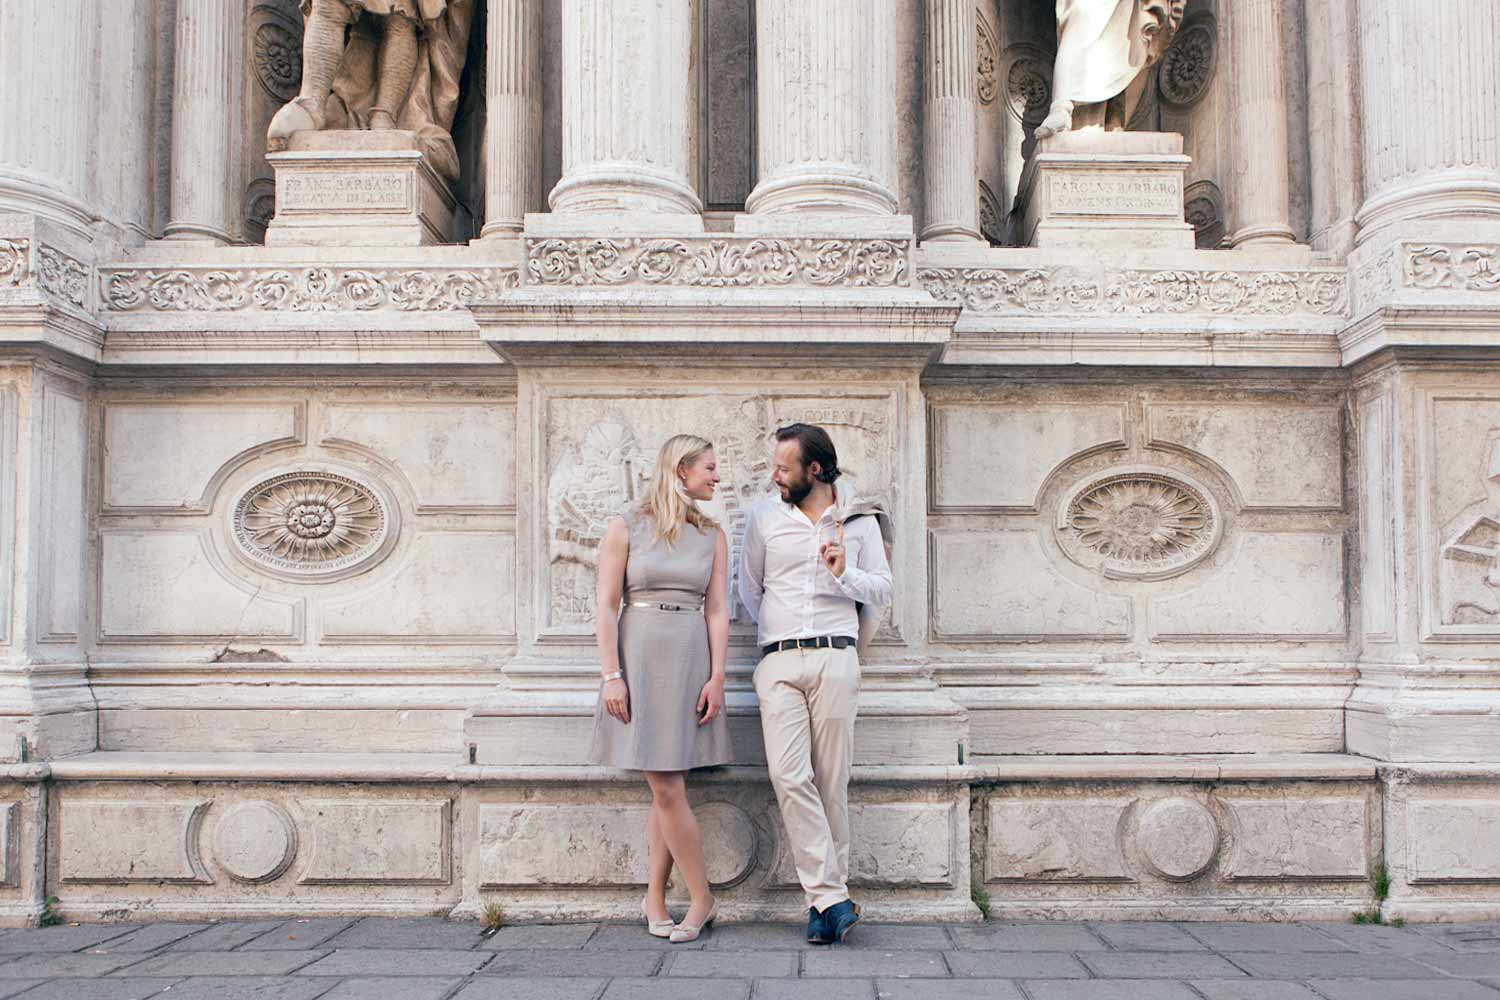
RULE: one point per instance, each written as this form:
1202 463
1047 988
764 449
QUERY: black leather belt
816 642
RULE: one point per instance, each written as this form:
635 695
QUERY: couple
813 574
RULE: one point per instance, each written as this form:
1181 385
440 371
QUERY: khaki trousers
808 698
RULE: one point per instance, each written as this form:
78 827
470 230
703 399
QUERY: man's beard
795 493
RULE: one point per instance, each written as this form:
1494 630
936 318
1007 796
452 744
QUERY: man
807 562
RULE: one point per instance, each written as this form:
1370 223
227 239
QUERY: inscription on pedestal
1113 194
361 191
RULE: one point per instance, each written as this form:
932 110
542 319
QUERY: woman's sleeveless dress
664 656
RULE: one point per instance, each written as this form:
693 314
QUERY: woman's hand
711 699
617 699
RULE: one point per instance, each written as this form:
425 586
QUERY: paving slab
1468 965
1409 989
300 935
540 936
824 989
732 964
36 940
946 989
225 963
1015 965
428 962
10 987
897 937
62 966
1145 935
531 989
584 964
1028 937
1253 989
407 933
1158 965
100 989
763 937
634 937
151 937
847 963
1107 989
1383 939
390 988
1308 965
1264 937
226 935
1463 937
676 989
247 988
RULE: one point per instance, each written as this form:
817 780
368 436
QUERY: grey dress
664 656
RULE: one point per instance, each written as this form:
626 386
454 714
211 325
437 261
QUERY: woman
661 708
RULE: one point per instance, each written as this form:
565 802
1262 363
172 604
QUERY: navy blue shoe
840 919
817 927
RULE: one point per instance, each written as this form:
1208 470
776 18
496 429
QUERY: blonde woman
661 707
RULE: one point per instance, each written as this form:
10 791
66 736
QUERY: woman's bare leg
660 860
679 828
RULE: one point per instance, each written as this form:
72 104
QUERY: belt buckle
823 642
666 607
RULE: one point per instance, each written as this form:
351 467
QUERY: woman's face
700 478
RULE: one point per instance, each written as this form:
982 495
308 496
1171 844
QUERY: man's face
792 478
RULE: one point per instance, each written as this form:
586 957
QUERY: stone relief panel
1377 575
1135 519
65 464
1039 840
1459 448
599 450
1449 840
110 842
376 842
313 525
1324 838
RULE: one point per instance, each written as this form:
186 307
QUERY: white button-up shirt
789 591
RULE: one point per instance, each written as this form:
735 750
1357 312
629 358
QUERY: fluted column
1430 87
827 91
513 115
630 107
951 164
1263 186
47 87
207 33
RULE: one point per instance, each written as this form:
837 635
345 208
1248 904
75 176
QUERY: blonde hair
665 501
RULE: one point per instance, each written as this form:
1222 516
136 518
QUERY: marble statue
1104 48
381 64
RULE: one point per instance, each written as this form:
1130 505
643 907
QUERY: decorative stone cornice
1067 291
1466 267
721 262
301 289
29 265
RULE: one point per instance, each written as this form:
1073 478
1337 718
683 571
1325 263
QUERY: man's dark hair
816 446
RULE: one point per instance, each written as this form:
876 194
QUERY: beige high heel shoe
657 928
683 932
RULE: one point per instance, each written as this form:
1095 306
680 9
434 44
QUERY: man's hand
710 700
832 554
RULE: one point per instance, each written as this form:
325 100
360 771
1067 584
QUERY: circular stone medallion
726 826
1138 523
1188 66
1179 838
255 841
312 525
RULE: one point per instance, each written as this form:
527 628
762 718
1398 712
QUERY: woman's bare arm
716 609
613 552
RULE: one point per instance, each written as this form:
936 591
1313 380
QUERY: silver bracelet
612 677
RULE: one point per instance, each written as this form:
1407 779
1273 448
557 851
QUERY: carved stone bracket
1068 290
306 289
757 262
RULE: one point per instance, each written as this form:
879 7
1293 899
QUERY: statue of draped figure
1104 49
381 64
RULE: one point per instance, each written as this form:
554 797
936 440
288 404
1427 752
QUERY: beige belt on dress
666 606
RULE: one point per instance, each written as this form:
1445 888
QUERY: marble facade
1192 441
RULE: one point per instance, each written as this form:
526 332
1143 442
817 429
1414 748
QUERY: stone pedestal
1099 189
358 189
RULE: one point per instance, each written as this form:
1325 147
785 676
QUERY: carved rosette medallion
313 525
986 57
1138 524
1028 84
1186 70
991 219
277 52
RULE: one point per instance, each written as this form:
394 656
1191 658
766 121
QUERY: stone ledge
109 765
1188 767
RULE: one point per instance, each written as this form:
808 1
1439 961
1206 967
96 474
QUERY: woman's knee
668 790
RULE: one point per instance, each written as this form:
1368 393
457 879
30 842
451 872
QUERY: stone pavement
432 959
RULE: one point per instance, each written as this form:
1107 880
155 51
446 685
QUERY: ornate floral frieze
1460 266
61 275
719 263
13 257
1138 524
1063 290
311 525
307 289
